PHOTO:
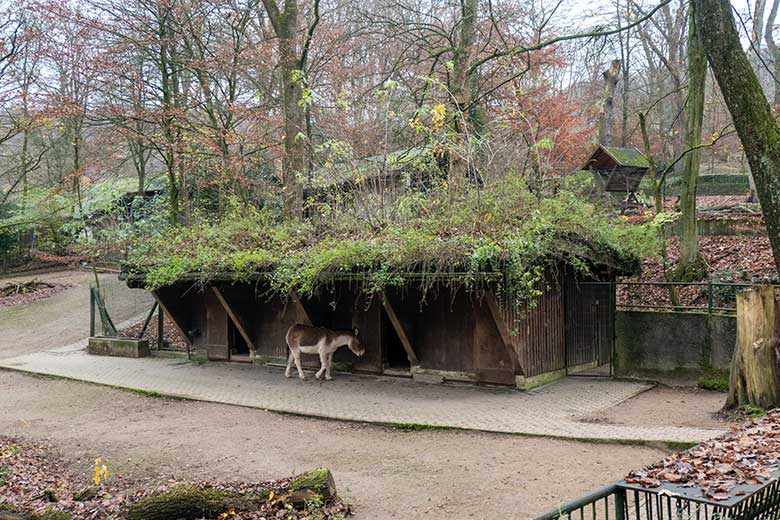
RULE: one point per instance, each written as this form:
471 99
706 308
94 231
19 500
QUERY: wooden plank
302 314
413 361
235 320
174 321
503 330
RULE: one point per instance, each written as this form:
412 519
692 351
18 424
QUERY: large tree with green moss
691 265
749 108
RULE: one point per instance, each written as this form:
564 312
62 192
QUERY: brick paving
552 410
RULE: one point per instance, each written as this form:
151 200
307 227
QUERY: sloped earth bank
381 472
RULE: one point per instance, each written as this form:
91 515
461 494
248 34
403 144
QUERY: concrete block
119 347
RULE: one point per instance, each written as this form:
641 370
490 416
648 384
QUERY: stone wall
667 342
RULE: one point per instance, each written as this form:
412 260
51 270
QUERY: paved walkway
551 411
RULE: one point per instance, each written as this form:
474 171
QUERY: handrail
581 502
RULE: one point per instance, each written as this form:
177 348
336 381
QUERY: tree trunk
294 163
773 50
755 373
658 186
691 265
606 117
188 503
460 86
749 108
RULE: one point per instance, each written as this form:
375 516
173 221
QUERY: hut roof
622 157
503 228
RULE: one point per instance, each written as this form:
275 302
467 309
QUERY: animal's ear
356 331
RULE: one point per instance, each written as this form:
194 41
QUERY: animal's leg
290 359
301 375
327 366
323 365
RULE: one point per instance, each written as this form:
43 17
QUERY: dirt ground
664 406
64 318
384 473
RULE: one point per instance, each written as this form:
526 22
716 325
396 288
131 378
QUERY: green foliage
754 412
501 232
4 471
715 380
51 514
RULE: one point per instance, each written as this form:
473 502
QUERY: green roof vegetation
503 229
627 156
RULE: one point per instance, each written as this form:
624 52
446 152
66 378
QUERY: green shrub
714 381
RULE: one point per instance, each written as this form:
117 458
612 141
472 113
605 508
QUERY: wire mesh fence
119 311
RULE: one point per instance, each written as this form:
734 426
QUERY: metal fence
702 297
622 501
590 328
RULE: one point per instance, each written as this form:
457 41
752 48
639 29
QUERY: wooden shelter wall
451 330
540 328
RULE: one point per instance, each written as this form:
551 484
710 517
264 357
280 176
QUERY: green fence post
160 334
620 504
91 312
709 296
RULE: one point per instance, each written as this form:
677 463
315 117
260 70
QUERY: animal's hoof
328 378
287 375
317 377
303 378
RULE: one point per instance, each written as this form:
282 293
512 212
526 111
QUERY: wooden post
91 312
160 327
302 314
755 367
503 330
175 322
399 329
236 321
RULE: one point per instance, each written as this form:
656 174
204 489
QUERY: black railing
623 501
718 297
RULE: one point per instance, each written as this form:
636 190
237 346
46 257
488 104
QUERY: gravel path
554 410
384 473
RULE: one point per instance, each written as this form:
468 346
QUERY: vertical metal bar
612 315
160 324
636 504
620 504
709 295
91 311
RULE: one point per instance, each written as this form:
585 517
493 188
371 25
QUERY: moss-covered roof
627 156
502 229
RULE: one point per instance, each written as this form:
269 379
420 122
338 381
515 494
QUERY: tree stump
755 367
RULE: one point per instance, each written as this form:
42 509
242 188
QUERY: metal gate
590 328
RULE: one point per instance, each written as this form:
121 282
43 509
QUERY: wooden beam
235 320
413 361
503 330
174 321
302 314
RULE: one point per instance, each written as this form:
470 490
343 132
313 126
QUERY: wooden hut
618 173
441 333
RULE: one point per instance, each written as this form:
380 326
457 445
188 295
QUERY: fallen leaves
748 455
35 480
22 293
